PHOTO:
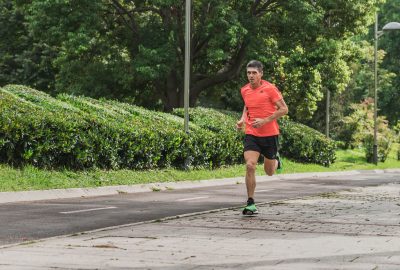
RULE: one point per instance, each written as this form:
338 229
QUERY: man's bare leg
251 158
270 166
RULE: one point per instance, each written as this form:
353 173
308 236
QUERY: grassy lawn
31 178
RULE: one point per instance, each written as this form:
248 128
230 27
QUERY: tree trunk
172 92
231 70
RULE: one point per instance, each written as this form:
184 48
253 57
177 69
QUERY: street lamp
388 27
186 85
187 65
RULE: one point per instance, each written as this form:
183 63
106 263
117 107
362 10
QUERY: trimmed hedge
297 142
80 133
304 144
30 133
228 147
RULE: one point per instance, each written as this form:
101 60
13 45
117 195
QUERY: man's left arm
282 109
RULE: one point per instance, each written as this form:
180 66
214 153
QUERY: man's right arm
239 124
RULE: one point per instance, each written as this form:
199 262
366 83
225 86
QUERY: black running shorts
267 146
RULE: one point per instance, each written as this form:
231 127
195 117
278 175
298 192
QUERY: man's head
254 72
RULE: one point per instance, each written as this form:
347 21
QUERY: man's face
254 76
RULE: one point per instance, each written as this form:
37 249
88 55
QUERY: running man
263 105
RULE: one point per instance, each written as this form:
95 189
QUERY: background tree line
133 51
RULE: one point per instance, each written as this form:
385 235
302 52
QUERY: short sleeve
275 94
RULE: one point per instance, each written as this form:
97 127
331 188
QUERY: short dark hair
255 64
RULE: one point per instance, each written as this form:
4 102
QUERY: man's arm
282 109
239 123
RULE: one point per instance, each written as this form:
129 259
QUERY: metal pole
328 95
375 147
187 63
328 101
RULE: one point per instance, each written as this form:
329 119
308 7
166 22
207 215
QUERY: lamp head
391 26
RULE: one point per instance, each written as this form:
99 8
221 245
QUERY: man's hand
239 124
258 122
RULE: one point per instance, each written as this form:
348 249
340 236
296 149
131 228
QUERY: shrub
79 133
358 130
385 140
297 141
227 147
178 148
46 138
304 144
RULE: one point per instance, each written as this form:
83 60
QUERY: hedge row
79 133
297 142
228 147
304 144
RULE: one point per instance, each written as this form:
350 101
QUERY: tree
135 48
358 84
389 95
23 60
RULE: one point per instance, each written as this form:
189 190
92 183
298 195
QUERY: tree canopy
133 50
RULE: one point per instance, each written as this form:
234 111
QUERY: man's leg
270 166
251 158
271 156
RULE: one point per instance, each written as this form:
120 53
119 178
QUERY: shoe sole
249 213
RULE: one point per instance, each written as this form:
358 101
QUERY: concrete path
356 229
31 219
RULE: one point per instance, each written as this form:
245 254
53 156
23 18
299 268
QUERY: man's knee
251 166
269 169
269 172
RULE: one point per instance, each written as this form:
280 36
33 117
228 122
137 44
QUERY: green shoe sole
250 210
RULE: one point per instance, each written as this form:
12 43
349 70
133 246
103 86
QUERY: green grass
31 178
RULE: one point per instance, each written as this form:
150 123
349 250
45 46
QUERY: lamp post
186 84
377 34
187 64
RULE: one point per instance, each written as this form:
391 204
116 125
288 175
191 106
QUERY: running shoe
250 210
280 163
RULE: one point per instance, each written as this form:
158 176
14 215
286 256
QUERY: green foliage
384 146
23 59
301 83
358 129
304 144
228 142
80 132
389 94
357 78
298 142
32 134
134 50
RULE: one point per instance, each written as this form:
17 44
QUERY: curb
38 195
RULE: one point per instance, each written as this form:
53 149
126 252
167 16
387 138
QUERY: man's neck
255 85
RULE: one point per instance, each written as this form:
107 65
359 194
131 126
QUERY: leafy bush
297 141
398 153
358 130
191 151
384 144
47 138
228 147
304 144
79 133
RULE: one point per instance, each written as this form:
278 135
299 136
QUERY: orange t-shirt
260 103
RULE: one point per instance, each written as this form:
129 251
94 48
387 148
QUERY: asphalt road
40 219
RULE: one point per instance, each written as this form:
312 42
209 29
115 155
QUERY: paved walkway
356 229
